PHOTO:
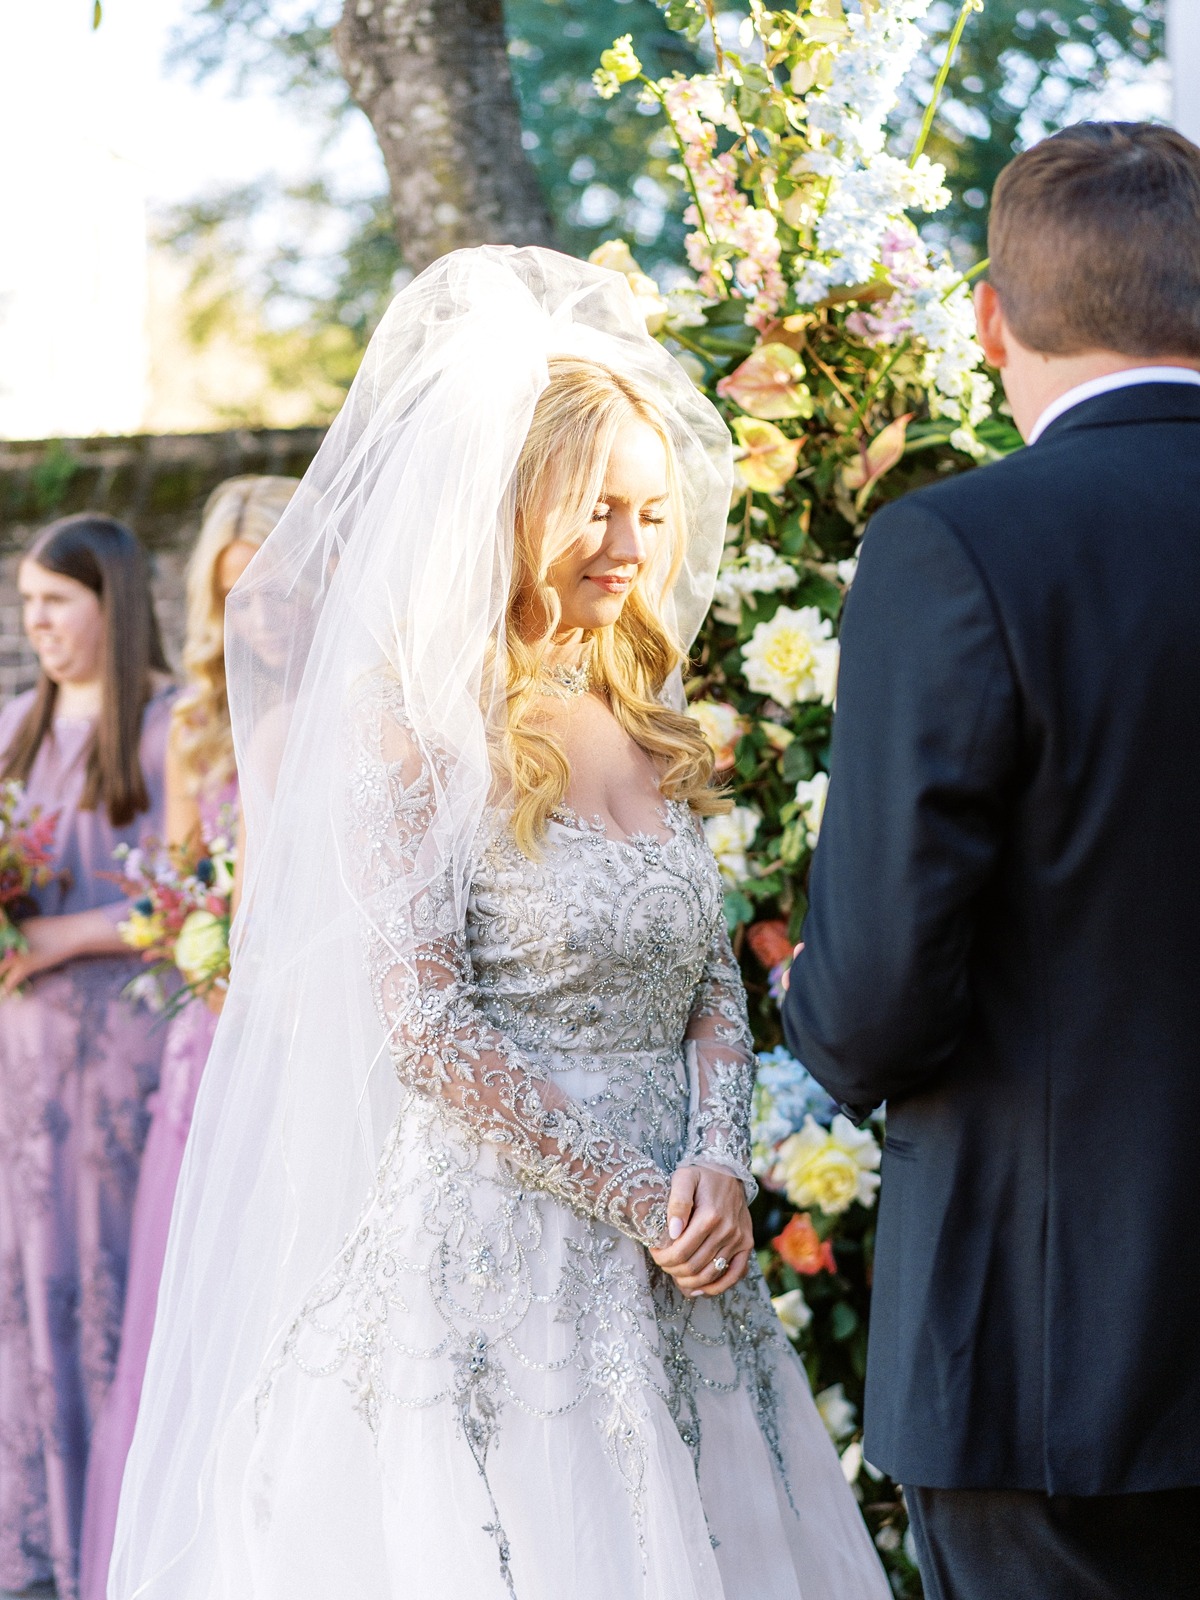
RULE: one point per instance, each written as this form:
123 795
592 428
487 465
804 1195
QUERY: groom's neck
1034 381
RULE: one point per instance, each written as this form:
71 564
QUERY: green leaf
814 590
738 909
683 16
793 846
746 758
843 1321
797 762
725 339
794 529
728 312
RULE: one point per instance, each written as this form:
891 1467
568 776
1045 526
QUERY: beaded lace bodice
583 1013
567 1030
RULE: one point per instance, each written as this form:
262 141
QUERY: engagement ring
720 1265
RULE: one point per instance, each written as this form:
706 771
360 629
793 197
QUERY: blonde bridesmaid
201 803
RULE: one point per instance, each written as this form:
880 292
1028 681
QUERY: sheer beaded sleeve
420 974
722 1065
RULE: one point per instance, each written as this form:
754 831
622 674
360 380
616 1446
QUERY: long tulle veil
394 556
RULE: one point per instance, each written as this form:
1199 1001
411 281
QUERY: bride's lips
611 584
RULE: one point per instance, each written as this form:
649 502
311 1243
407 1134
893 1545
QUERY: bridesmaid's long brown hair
106 558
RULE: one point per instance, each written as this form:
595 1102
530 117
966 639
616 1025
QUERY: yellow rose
202 949
829 1169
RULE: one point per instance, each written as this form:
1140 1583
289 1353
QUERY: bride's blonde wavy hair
240 509
559 480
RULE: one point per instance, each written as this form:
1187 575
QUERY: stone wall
157 485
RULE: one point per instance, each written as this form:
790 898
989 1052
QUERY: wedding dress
411 1344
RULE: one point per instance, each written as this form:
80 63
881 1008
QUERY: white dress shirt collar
1096 386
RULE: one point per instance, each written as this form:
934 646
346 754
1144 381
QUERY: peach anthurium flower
769 384
768 459
802 1249
861 474
722 726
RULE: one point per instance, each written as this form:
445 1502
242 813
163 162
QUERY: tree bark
433 77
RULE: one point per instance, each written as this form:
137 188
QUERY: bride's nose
627 540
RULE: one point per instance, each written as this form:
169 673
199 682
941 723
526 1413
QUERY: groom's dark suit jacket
1004 944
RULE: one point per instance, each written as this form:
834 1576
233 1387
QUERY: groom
1004 934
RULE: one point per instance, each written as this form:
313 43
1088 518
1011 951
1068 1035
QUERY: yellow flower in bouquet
143 928
828 1168
202 949
618 65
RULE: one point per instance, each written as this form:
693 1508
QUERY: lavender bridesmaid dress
189 1037
77 1064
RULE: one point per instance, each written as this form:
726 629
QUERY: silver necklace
567 682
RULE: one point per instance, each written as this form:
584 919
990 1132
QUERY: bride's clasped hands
709 1235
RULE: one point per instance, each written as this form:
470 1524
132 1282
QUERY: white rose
793 657
794 1311
837 1413
729 838
811 794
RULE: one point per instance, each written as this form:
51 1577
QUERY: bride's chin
601 612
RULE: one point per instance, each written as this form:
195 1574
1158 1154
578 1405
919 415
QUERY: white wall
1183 48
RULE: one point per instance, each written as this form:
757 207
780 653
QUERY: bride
460 1297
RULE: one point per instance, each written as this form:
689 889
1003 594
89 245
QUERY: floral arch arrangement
840 347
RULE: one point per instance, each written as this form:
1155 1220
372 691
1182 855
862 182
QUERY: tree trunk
433 77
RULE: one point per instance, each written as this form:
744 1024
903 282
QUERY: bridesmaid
77 1061
201 802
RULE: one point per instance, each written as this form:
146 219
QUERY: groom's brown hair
1094 242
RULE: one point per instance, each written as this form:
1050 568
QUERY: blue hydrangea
784 1094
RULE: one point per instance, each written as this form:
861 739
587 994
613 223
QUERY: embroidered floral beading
568 1032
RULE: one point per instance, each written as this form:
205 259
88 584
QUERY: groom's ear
991 326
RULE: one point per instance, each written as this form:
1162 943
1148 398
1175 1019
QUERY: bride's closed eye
648 518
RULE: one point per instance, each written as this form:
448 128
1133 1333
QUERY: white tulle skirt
492 1398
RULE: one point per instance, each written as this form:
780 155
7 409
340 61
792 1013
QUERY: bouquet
26 863
179 918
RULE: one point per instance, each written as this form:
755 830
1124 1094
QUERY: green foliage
1024 68
52 477
603 164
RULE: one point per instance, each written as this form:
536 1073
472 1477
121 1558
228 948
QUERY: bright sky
93 133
